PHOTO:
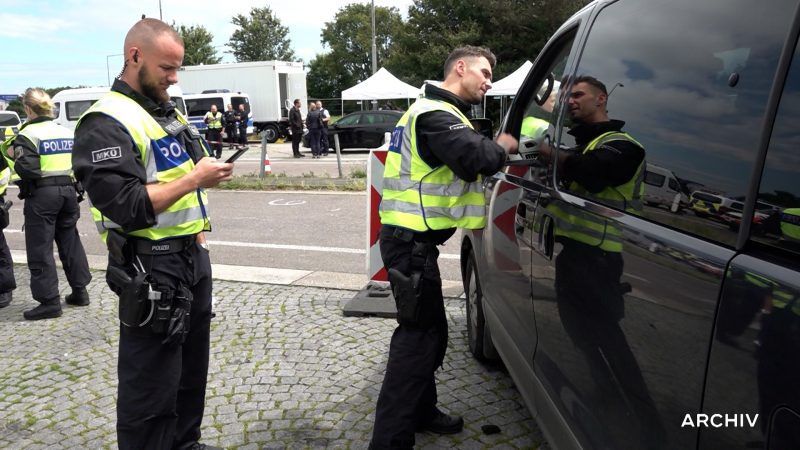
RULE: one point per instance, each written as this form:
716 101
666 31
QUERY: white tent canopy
381 85
510 84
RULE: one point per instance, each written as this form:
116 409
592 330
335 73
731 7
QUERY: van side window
776 219
77 108
537 123
200 106
694 100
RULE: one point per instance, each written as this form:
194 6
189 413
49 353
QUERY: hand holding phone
236 155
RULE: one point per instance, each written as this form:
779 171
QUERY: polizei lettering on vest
720 420
55 146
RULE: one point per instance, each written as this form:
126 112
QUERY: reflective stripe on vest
790 224
54 145
164 160
591 229
214 121
419 197
5 176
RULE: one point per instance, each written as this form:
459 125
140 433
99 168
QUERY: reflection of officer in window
606 167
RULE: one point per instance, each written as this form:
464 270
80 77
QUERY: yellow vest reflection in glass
591 229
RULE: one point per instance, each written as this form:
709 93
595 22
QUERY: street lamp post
374 49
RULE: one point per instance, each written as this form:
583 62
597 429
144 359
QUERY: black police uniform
231 127
162 387
407 400
243 128
51 212
7 281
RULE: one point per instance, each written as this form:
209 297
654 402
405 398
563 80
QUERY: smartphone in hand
236 155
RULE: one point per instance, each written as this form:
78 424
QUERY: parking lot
288 370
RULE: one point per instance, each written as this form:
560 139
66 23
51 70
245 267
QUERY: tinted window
76 109
693 98
9 119
673 184
779 191
200 106
654 179
236 101
351 119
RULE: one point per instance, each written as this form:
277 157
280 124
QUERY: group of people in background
234 122
317 123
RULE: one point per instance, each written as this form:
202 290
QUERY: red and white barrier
375 166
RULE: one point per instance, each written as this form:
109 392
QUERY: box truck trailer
271 86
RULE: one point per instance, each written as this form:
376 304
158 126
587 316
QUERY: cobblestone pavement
288 370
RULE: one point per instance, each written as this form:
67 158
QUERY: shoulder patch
174 128
104 154
459 126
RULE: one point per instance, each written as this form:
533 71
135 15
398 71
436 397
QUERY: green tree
349 36
197 45
514 30
260 37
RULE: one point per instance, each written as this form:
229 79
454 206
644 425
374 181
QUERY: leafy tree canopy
197 45
260 37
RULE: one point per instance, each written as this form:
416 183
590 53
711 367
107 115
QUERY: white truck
271 85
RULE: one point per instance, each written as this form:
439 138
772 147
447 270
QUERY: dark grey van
703 347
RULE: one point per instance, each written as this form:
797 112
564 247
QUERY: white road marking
307 248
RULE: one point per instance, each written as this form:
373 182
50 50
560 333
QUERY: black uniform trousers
408 394
7 280
162 388
323 140
243 133
230 130
297 137
52 213
214 137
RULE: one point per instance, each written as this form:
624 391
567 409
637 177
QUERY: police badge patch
104 154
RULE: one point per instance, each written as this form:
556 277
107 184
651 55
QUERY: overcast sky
49 43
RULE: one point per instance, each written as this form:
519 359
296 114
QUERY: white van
70 104
198 105
662 188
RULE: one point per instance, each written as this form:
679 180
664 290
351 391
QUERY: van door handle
546 241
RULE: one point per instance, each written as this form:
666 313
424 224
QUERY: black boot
46 310
441 423
5 299
78 297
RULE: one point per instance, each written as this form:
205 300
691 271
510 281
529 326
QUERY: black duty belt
162 247
61 180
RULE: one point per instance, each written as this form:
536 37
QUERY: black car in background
361 129
694 342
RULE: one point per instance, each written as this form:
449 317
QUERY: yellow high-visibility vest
419 197
164 160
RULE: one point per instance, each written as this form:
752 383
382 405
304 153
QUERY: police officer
326 117
41 156
435 159
230 125
7 281
242 126
214 120
146 172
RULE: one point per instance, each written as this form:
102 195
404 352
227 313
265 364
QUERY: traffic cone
267 167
